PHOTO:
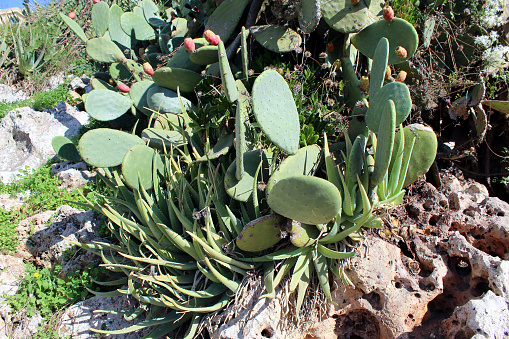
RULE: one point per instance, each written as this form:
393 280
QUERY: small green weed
50 99
42 290
7 107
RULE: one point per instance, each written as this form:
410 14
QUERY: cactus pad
65 148
306 199
394 91
138 94
309 15
222 147
164 100
151 13
242 189
105 105
75 27
399 33
133 23
157 138
302 234
304 162
385 143
180 58
103 50
137 166
172 78
205 55
278 39
345 17
100 17
104 147
115 30
261 234
227 79
225 18
424 151
275 110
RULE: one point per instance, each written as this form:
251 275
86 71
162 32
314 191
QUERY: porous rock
26 134
80 317
479 318
9 94
72 175
41 238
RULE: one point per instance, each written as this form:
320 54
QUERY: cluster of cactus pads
192 215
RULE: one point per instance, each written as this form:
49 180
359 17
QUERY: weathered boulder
72 175
79 318
8 94
25 136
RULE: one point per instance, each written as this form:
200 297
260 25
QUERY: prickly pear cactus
261 234
346 17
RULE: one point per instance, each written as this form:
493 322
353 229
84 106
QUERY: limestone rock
8 94
72 175
77 319
480 318
12 271
25 136
41 238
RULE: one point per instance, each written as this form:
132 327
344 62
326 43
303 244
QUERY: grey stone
479 318
8 94
79 318
26 134
72 175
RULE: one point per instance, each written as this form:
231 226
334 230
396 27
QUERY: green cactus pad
117 34
119 71
385 143
180 58
304 162
133 23
75 27
378 67
242 189
137 166
104 147
205 55
65 148
138 93
105 105
355 163
277 39
103 50
261 234
309 15
157 138
424 151
100 84
138 11
222 147
309 200
395 91
399 33
172 78
275 110
498 105
100 17
245 55
345 17
227 79
302 234
225 18
164 100
151 13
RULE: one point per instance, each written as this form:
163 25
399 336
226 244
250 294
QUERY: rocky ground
439 267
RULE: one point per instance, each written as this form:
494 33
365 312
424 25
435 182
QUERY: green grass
44 195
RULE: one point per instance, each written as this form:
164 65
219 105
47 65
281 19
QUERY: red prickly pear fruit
388 73
189 45
388 13
364 83
123 87
354 2
148 68
112 82
72 15
211 37
173 15
330 47
401 76
96 1
401 52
